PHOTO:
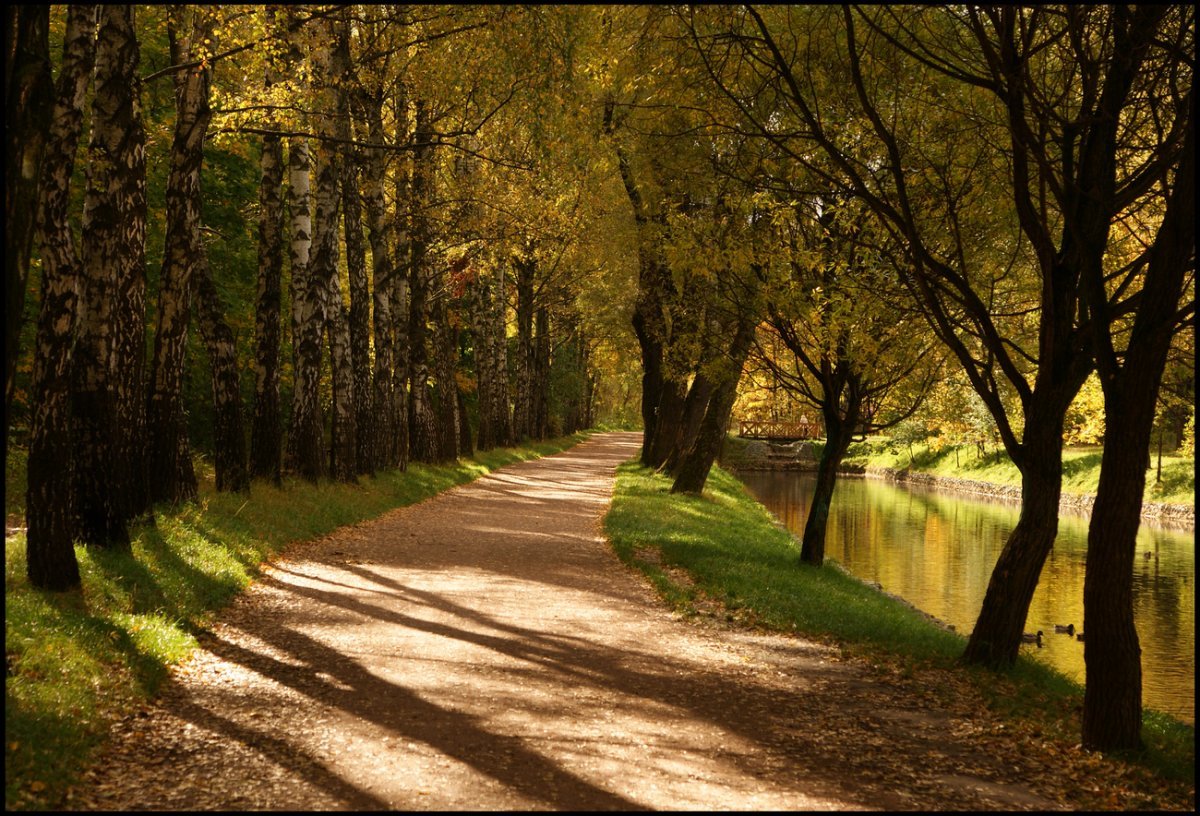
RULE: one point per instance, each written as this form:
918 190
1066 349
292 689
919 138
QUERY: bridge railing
764 429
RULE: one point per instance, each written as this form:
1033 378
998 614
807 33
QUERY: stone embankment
800 456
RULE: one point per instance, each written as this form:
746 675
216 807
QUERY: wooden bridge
803 428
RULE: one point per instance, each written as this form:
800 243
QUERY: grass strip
739 559
77 661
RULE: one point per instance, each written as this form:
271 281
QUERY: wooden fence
763 429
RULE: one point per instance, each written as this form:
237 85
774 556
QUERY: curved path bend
486 650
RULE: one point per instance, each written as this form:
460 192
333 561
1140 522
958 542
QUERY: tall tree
28 101
229 437
108 364
1147 82
266 430
172 477
49 502
422 426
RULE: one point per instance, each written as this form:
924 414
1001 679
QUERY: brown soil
486 650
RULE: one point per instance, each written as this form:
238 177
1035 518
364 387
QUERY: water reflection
937 551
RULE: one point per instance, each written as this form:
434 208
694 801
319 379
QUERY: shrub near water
78 660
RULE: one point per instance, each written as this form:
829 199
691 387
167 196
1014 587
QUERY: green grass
79 660
735 554
1081 467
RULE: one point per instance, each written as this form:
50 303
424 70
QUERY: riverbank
723 558
963 471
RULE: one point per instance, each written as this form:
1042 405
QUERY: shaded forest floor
485 649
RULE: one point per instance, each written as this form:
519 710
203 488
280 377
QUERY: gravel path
485 650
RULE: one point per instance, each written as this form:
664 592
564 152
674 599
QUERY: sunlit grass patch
726 546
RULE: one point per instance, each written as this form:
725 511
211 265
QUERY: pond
937 550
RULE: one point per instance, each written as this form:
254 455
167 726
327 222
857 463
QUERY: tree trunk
476 302
839 431
172 478
694 408
465 445
379 237
49 501
306 443
266 433
500 408
365 422
28 101
324 263
266 428
541 379
401 274
445 342
108 364
423 441
1112 702
668 425
698 461
996 637
523 398
228 428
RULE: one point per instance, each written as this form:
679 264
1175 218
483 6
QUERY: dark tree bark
172 478
541 375
839 432
266 429
523 400
306 438
229 435
698 461
49 501
422 425
366 422
445 342
400 306
109 363
127 141
1112 702
28 102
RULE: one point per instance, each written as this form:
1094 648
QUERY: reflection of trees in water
937 549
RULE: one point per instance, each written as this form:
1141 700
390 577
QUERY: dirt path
485 650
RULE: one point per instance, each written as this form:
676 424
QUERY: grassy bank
741 565
76 661
1081 466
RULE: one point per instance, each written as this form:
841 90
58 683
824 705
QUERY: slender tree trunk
541 378
476 303
1112 701
694 408
366 425
49 500
523 398
669 422
698 461
379 236
465 445
128 137
266 432
229 433
997 634
109 365
266 429
172 478
501 410
28 102
306 443
445 341
423 441
401 275
839 431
